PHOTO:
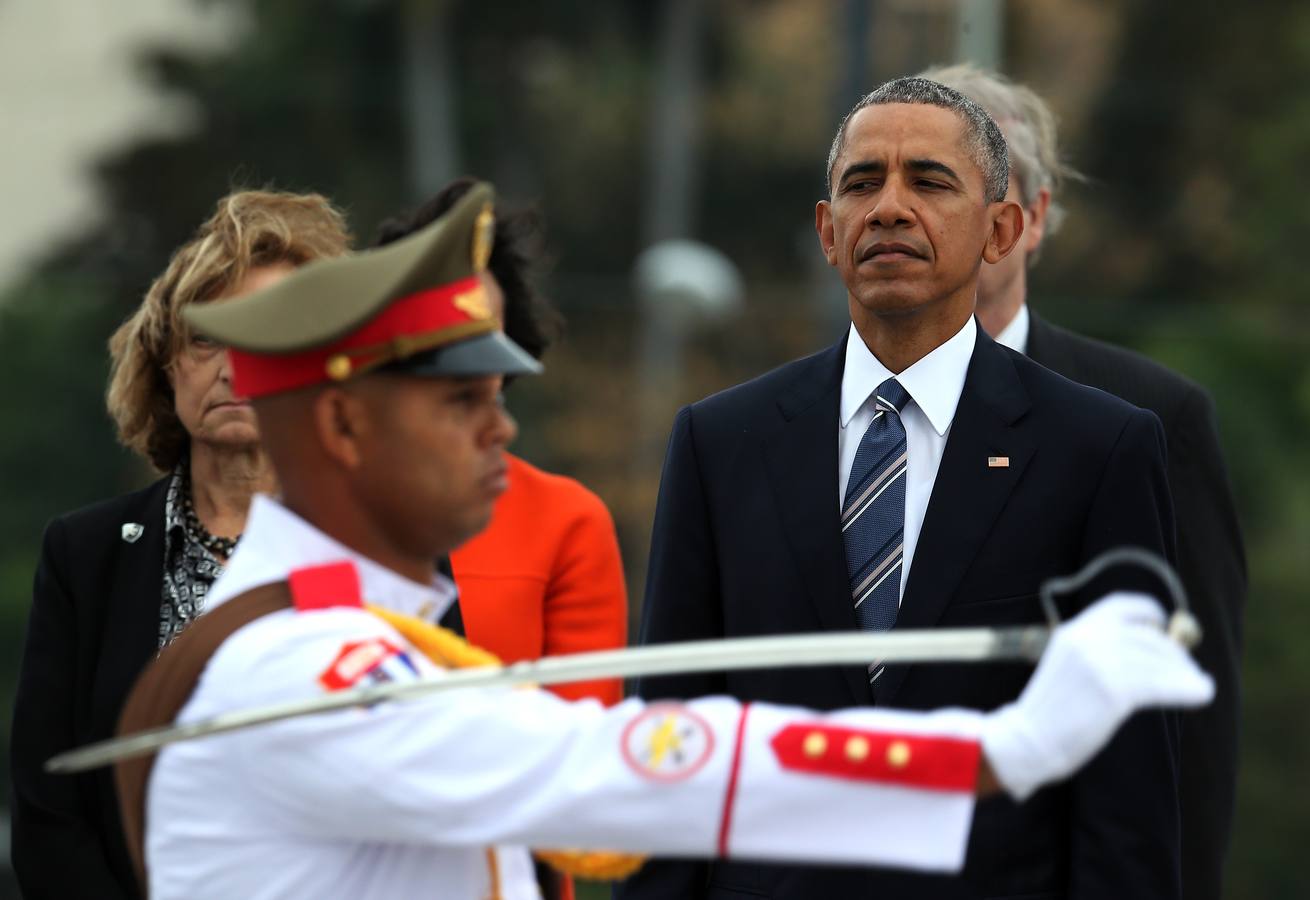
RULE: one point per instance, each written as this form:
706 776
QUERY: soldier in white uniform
376 379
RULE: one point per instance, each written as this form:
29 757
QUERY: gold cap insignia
484 234
474 303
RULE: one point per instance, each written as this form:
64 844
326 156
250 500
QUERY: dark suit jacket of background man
746 542
93 627
1212 565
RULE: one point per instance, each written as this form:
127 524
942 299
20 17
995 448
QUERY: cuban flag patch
373 661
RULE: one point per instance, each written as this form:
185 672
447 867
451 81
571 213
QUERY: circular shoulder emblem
667 742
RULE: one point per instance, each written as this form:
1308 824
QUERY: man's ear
341 422
1036 227
823 225
1007 228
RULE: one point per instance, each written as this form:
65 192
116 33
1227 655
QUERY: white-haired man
1210 556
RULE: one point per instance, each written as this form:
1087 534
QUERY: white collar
1015 335
934 382
276 541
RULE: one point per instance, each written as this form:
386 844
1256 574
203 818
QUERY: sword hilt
1183 626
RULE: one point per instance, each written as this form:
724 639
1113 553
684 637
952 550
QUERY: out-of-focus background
634 122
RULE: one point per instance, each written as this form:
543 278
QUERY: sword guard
1183 626
1185 629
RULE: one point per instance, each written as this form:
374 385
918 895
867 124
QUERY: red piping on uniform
731 797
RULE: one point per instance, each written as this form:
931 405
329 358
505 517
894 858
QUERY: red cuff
855 754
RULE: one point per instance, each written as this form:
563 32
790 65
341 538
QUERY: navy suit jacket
1211 562
746 542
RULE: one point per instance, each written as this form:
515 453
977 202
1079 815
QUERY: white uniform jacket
404 800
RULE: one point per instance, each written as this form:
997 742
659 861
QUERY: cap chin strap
359 360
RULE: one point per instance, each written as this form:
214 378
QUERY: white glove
1102 666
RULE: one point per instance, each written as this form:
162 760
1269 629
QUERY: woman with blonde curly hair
118 580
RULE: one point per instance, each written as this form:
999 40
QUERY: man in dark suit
1210 556
915 475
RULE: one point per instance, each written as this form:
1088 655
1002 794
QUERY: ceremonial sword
1023 644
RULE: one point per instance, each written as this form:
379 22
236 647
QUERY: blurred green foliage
1192 122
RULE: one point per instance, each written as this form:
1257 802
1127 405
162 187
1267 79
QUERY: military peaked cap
416 306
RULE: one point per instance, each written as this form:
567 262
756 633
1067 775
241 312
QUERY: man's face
908 222
432 458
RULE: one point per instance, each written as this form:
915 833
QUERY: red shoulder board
858 754
323 587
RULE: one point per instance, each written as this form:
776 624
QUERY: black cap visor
486 354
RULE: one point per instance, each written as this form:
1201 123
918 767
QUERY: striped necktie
873 514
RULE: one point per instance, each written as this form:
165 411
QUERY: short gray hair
1029 127
983 139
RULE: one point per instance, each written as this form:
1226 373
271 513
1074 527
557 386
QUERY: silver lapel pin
132 531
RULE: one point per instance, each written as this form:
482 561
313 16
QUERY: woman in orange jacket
545 577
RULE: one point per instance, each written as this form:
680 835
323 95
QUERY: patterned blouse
189 567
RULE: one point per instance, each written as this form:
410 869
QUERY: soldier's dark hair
982 137
530 320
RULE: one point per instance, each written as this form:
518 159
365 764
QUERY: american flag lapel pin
998 462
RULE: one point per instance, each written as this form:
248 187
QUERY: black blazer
746 542
1211 562
93 627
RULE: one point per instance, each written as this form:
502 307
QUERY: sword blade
725 655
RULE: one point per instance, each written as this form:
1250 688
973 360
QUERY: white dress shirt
1015 335
403 799
934 384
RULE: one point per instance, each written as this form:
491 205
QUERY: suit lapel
452 619
1044 347
802 465
1039 334
968 494
133 597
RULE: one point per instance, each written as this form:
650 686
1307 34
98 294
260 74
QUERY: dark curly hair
530 320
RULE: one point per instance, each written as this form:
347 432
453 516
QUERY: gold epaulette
441 645
450 651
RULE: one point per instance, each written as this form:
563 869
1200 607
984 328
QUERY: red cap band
419 321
